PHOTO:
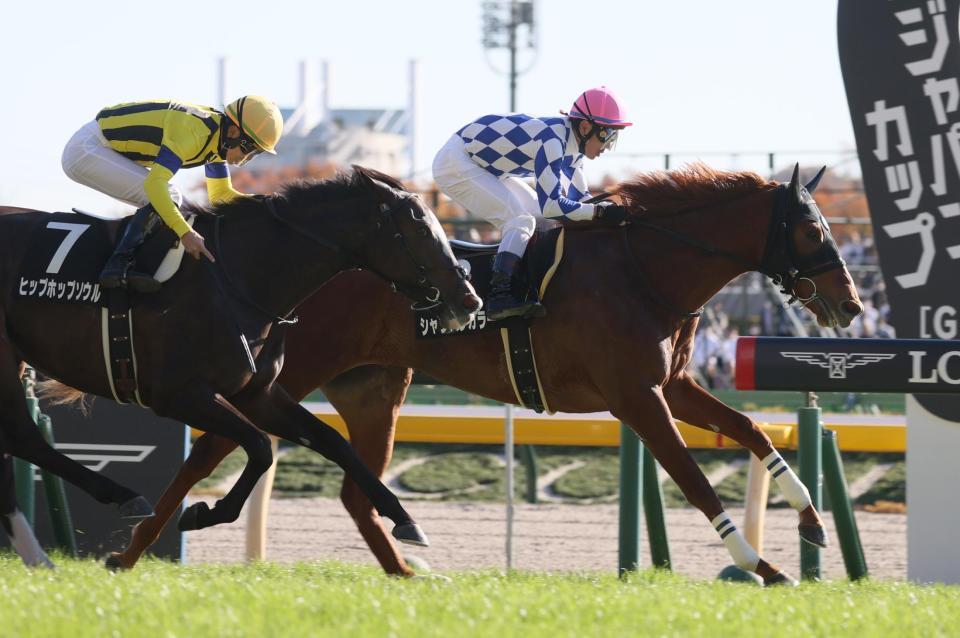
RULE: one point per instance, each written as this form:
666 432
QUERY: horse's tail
57 393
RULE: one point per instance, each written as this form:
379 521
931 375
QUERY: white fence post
508 452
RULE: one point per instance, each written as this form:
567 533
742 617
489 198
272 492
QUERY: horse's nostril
851 307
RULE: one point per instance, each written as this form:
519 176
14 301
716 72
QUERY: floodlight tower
503 22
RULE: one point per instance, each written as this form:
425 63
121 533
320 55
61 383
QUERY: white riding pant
506 201
89 160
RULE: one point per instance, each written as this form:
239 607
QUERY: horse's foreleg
275 412
22 438
690 403
205 456
13 521
647 413
203 408
369 400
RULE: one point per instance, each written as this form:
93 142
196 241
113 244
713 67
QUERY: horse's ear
362 177
365 180
812 184
795 183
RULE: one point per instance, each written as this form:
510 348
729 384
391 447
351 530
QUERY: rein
238 292
780 262
386 221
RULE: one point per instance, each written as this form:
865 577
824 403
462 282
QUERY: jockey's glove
611 212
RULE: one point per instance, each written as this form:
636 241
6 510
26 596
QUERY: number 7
73 234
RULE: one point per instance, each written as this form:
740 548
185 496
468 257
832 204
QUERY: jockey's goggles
608 136
249 149
248 146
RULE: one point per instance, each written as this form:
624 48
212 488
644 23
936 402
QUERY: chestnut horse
195 365
618 336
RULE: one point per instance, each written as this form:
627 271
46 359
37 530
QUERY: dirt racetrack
547 537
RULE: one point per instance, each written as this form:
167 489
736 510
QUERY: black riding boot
501 304
117 272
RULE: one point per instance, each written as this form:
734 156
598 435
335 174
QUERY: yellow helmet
259 119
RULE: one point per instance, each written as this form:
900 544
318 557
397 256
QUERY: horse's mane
691 186
309 191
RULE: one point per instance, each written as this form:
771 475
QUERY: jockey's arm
219 186
578 185
157 188
554 204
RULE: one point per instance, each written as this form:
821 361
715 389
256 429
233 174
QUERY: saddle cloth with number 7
67 253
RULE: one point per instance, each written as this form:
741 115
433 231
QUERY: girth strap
522 365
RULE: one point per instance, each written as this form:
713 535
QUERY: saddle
66 254
541 260
62 265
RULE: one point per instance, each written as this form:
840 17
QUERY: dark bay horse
272 253
618 335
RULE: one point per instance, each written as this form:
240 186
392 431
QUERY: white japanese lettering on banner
51 289
926 32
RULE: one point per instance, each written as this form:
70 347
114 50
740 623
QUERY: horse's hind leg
369 399
275 412
205 456
13 521
692 404
205 409
22 438
646 412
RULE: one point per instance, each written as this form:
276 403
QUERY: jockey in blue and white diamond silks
482 165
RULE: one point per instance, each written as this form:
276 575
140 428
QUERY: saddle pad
539 263
67 252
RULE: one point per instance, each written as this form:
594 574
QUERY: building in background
317 135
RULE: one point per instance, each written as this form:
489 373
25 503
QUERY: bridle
424 292
782 264
780 261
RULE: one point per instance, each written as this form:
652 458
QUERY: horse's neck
689 277
273 264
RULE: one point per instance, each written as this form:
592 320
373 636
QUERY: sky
726 82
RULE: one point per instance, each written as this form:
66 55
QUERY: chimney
222 96
413 79
308 98
324 89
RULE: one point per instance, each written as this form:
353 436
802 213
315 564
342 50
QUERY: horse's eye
423 232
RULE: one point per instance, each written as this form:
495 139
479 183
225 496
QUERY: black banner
911 366
129 444
900 67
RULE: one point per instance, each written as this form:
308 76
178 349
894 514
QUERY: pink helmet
599 106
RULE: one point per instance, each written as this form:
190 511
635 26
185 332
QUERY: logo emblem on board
838 362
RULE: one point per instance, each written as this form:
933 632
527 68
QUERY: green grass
159 599
453 472
891 487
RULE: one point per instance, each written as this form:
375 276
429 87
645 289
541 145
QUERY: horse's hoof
137 507
780 579
190 519
734 574
813 534
411 534
416 563
113 563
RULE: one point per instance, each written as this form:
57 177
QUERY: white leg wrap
25 543
744 556
789 483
